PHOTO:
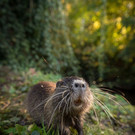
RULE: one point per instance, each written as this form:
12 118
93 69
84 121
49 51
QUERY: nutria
61 105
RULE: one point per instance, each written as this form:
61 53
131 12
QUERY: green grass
15 120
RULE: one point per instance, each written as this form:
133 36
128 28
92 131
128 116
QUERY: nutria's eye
76 85
59 83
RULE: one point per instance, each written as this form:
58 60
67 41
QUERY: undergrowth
14 119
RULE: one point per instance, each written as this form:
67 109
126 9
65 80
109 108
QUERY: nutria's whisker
64 87
71 101
97 91
65 92
53 114
104 109
121 94
108 111
68 104
54 96
48 100
55 110
95 114
110 90
106 94
104 106
62 117
115 102
62 101
38 105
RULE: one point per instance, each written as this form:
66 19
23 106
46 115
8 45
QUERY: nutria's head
73 95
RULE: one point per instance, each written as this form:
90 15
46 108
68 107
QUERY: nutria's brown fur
36 95
61 105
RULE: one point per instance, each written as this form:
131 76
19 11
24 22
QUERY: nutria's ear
59 83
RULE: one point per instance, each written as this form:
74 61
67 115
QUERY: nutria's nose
79 85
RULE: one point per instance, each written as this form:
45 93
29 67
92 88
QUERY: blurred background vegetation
94 39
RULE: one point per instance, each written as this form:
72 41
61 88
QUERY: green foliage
33 30
39 76
92 38
32 129
24 130
102 33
